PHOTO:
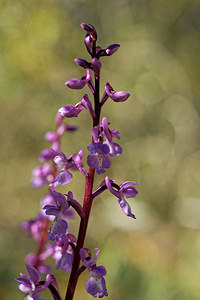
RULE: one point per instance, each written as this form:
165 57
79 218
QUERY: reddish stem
87 204
81 235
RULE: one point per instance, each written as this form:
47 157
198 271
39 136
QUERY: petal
88 43
65 262
92 161
24 288
94 286
95 134
46 154
24 281
75 83
126 208
62 178
105 129
78 162
34 274
51 210
60 199
96 67
115 149
102 148
106 162
126 184
85 101
92 148
130 192
98 271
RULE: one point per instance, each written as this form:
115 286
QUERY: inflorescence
50 227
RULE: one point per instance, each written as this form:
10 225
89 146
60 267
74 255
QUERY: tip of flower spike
90 29
84 26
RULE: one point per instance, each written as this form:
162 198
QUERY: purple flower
126 190
61 205
115 149
34 226
119 96
98 158
78 84
96 284
40 175
63 252
30 284
46 154
59 210
72 162
58 229
70 111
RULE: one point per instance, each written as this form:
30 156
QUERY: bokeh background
158 254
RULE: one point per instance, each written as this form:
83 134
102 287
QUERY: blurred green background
158 254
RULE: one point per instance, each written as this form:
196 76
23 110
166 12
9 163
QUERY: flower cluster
96 284
50 227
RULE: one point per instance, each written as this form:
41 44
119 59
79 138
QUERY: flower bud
88 43
51 136
70 111
112 49
78 84
119 96
83 63
96 65
90 29
46 154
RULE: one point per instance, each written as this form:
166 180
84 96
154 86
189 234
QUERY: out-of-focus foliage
158 254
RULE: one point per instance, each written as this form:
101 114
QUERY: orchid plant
50 227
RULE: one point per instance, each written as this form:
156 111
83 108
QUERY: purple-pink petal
126 208
70 111
34 274
75 83
46 154
62 178
130 192
24 281
51 210
98 271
